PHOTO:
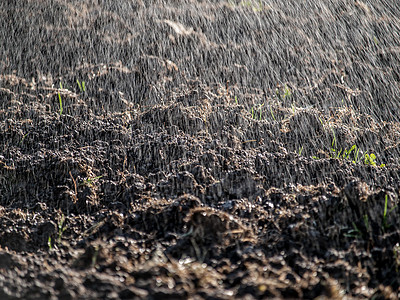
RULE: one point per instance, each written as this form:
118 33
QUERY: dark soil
201 160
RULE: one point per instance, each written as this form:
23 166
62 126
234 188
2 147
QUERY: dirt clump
199 149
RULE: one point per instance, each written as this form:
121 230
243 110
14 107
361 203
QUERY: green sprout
284 94
334 143
353 233
61 227
385 225
254 110
256 7
89 181
300 150
370 159
236 100
352 154
356 159
384 221
272 113
81 86
60 101
366 223
49 243
23 138
355 151
287 92
95 255
260 109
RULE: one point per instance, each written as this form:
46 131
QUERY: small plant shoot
352 154
60 100
81 86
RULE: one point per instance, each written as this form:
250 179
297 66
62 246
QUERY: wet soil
199 149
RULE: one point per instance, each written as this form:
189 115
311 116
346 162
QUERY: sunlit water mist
327 52
157 149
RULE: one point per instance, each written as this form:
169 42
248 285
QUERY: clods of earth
199 149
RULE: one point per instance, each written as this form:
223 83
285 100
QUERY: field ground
199 149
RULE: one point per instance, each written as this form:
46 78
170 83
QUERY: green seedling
346 153
385 224
336 153
353 233
248 3
272 113
259 8
89 181
256 112
81 86
300 150
256 7
236 100
95 255
49 243
352 154
334 143
23 138
384 220
287 92
370 159
60 100
277 93
366 223
355 151
61 227
260 109
284 94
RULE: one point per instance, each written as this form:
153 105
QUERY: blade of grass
60 100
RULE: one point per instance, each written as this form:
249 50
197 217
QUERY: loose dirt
199 149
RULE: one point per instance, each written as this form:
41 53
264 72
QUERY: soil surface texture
199 149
